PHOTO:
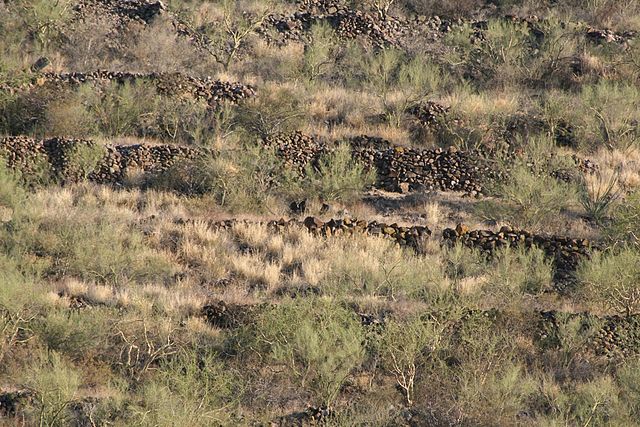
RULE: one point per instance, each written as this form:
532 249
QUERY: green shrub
612 280
401 82
188 389
56 385
87 243
528 200
339 177
625 221
75 335
595 402
406 346
628 380
514 273
317 341
276 110
320 54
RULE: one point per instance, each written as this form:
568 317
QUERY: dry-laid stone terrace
60 155
410 236
566 252
214 92
407 169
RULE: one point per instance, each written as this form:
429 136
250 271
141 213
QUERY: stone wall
114 162
565 252
212 91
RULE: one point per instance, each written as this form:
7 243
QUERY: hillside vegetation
319 212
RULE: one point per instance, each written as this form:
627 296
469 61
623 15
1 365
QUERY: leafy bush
625 222
86 243
514 273
188 389
56 385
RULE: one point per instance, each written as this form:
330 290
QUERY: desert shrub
496 395
319 343
612 280
625 222
252 179
276 110
406 346
401 82
84 159
86 243
528 200
233 28
595 402
514 273
12 194
55 383
338 177
602 114
497 59
75 335
628 380
462 265
120 110
19 301
42 19
320 55
188 389
598 196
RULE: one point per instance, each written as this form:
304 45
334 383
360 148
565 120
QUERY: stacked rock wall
407 169
409 236
565 252
297 150
212 91
111 162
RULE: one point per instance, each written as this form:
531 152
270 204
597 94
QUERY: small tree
380 7
613 280
320 54
231 33
405 346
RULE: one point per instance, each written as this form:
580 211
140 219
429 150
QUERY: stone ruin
213 92
59 157
399 169
565 252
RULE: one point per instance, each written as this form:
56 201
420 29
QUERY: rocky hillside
319 212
